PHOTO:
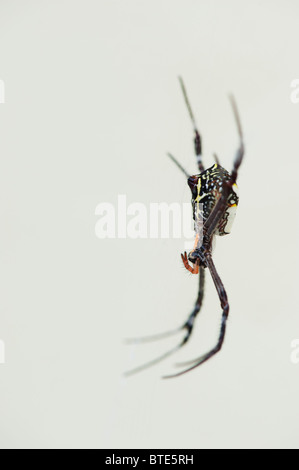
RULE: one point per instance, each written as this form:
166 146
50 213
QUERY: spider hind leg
188 326
225 310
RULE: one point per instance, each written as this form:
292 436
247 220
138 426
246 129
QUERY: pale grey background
92 105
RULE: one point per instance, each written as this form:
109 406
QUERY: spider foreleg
177 163
197 138
240 151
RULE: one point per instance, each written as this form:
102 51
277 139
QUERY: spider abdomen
206 189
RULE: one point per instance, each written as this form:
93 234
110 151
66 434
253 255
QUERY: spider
214 202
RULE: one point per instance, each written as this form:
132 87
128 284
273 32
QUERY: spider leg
216 158
148 339
178 164
154 361
197 138
216 214
225 310
241 150
188 325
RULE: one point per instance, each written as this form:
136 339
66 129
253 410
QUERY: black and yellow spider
214 202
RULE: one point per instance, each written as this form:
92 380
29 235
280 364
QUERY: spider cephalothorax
214 203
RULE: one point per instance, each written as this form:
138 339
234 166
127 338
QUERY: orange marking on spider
185 260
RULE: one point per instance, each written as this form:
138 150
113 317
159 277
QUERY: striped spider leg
214 203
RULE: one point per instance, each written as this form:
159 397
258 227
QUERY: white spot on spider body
230 214
226 222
